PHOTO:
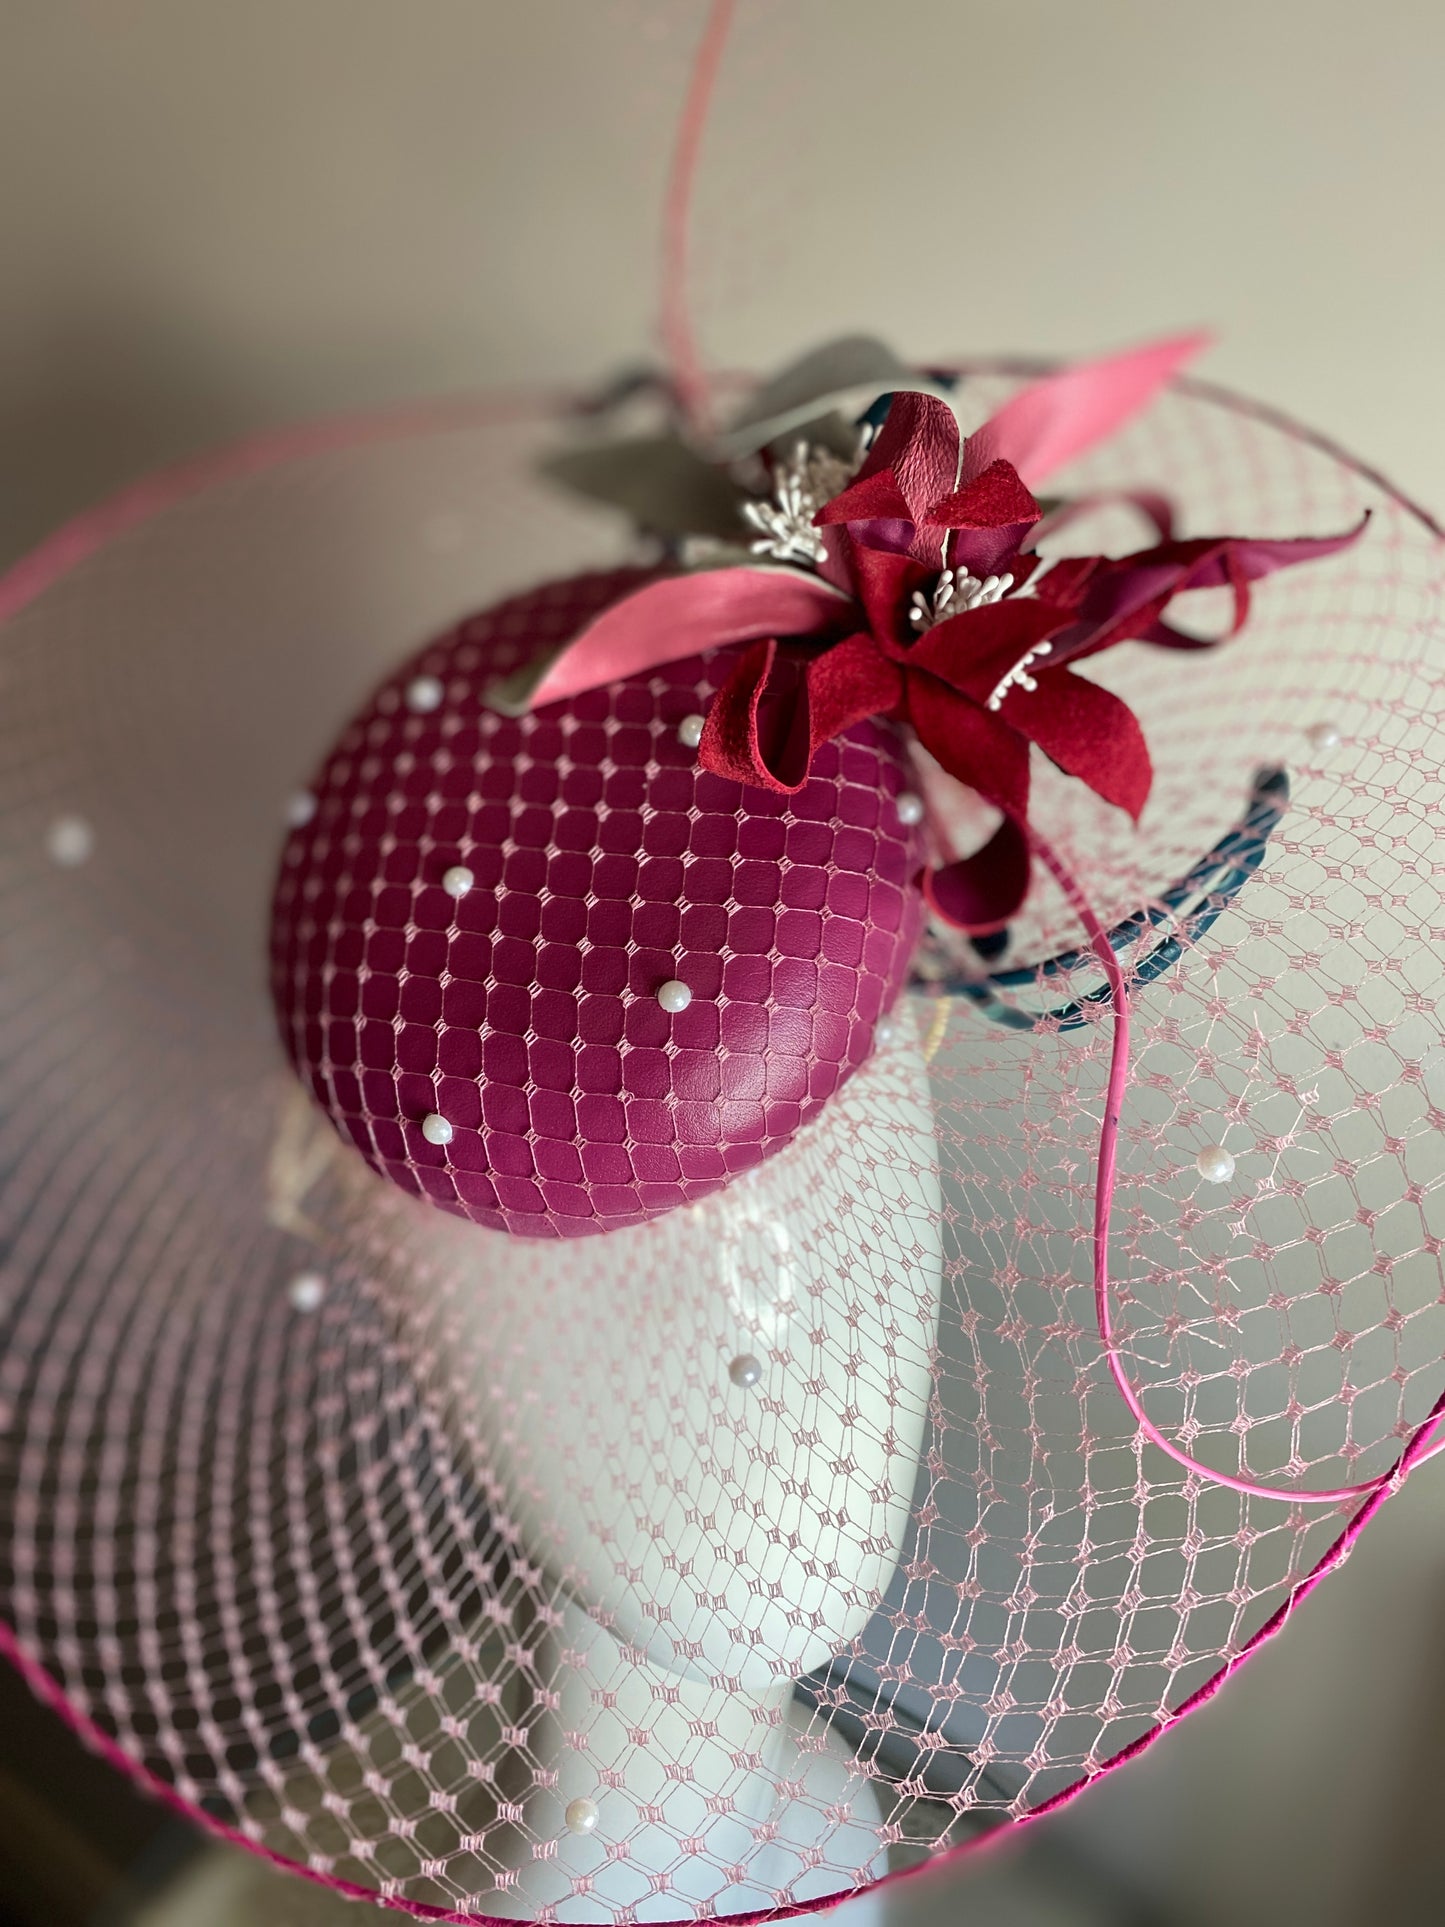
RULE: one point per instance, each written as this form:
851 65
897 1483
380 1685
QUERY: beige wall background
215 218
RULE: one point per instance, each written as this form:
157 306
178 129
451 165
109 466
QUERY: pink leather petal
681 615
1047 424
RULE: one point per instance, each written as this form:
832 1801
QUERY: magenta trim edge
47 1689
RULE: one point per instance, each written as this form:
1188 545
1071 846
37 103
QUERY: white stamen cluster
801 485
954 594
1018 677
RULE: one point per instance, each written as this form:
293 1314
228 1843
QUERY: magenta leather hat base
496 1042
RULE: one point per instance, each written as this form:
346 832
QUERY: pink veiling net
486 1576
733 1562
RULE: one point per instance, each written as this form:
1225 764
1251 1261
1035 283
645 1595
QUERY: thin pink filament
1104 1185
679 343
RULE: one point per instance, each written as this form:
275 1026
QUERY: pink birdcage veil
731 1563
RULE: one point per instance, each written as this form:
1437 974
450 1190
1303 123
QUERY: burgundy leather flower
980 686
929 606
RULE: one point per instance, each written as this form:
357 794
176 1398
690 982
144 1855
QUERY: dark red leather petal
1126 595
1213 561
989 516
1165 636
778 706
1064 582
983 892
885 582
995 499
849 682
973 652
971 743
1119 604
758 729
872 498
1088 731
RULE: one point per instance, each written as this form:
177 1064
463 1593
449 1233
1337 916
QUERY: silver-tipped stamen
1018 677
954 594
801 485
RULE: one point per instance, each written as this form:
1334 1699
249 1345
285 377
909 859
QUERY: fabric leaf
842 376
660 482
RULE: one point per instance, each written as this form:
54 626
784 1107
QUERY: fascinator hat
830 1207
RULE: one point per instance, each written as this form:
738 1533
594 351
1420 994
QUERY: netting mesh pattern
731 1561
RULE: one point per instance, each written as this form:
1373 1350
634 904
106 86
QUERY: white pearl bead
689 731
1216 1165
435 1129
909 808
458 880
745 1370
674 996
424 694
308 1288
1323 736
301 809
582 1816
885 1032
70 841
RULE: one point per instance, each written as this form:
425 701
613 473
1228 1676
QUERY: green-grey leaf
665 485
842 379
